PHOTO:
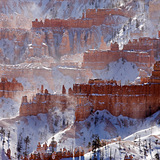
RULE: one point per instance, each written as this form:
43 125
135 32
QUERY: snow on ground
144 140
39 128
59 80
24 82
67 9
140 147
119 70
106 126
3 154
75 58
31 66
68 134
8 108
55 8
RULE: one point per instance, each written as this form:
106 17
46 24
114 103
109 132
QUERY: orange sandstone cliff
141 52
134 101
9 89
92 17
45 101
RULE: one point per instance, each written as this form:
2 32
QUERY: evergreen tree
19 146
8 140
26 141
95 143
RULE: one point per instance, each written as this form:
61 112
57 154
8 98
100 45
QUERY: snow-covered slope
9 108
55 8
59 124
144 144
107 127
39 128
70 134
119 70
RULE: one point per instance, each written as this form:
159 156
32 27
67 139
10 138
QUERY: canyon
134 101
59 37
69 72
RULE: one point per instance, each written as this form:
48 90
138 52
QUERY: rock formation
134 101
45 101
93 17
154 10
9 89
64 47
103 45
15 21
140 52
58 37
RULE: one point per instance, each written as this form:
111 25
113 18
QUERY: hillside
81 67
102 123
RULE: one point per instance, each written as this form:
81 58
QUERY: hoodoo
134 101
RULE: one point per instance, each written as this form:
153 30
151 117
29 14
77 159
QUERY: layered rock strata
9 89
92 17
44 101
134 101
142 52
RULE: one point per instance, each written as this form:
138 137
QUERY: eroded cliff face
18 45
134 101
10 89
44 101
142 52
36 71
55 8
19 14
154 14
75 34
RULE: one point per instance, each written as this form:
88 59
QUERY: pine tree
2 132
8 140
19 146
95 143
26 141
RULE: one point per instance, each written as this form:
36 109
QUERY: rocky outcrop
134 101
131 101
9 89
20 44
144 44
141 52
154 10
64 47
44 101
103 45
91 18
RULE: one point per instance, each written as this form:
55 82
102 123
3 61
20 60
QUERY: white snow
119 70
59 80
8 108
